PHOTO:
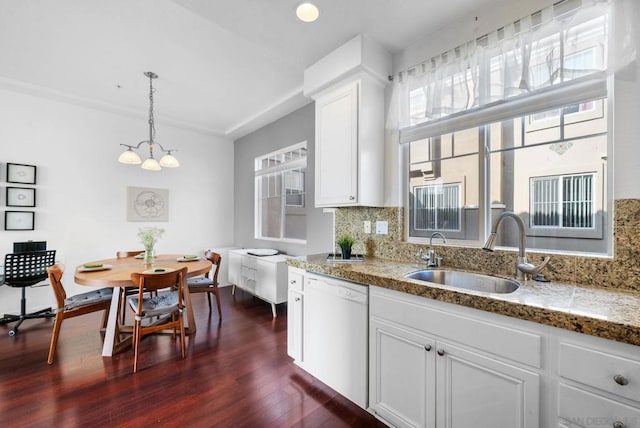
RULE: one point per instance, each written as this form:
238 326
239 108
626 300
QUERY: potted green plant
345 242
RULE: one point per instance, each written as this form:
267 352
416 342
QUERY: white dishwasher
335 345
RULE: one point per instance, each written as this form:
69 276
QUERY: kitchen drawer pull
619 424
620 380
427 348
441 352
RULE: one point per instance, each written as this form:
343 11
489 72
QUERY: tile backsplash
621 272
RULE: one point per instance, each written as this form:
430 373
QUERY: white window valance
554 57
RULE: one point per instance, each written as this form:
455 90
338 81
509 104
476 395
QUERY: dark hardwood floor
236 374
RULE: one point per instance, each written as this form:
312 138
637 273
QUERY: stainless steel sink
466 280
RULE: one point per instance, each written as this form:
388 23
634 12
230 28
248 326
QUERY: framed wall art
19 173
147 204
19 220
21 197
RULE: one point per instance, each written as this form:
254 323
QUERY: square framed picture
19 173
147 204
21 197
19 220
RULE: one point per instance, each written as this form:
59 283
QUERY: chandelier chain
152 126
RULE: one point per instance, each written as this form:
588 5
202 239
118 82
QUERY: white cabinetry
264 277
348 88
402 375
431 368
337 147
295 314
599 383
350 144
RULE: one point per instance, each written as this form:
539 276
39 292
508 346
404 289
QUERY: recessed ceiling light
307 12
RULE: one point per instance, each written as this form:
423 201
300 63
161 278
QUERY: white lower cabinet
422 379
474 390
599 383
263 276
295 315
402 375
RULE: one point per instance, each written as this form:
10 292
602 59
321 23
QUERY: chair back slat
157 281
25 269
125 254
216 260
55 278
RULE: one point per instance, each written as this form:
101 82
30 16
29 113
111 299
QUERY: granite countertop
604 313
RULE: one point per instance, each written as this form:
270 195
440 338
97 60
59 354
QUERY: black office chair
24 270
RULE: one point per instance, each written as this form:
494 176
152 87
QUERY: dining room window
280 202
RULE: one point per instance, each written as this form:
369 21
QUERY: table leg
112 324
191 322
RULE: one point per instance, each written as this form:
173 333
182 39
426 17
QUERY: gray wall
294 128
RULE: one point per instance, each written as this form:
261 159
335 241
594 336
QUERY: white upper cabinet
348 88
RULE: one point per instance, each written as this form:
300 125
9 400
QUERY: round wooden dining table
116 273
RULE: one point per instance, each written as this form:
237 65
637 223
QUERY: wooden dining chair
206 284
125 254
69 307
166 304
126 291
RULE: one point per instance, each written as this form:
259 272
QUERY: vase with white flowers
149 236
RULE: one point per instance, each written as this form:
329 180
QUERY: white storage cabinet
263 276
432 368
295 314
599 383
348 88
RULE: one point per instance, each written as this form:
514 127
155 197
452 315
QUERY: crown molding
65 97
285 105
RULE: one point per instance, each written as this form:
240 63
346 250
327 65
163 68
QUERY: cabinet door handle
620 380
427 348
619 424
297 299
352 198
293 281
441 352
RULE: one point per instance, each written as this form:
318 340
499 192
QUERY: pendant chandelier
130 157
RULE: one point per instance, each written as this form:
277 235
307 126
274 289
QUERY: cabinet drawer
600 370
249 262
589 410
417 312
296 280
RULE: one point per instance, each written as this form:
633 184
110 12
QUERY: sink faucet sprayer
524 269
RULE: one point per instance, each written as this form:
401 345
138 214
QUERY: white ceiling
225 67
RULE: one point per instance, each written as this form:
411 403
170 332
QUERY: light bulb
130 157
307 12
169 161
151 164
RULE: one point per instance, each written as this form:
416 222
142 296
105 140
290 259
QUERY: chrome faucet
524 269
430 256
434 234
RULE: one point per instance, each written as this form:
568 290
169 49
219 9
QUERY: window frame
597 85
595 232
459 189
287 164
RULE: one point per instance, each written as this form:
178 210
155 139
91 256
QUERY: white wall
81 188
626 161
294 128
